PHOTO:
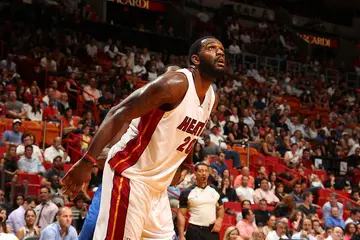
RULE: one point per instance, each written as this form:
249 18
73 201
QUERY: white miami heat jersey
156 144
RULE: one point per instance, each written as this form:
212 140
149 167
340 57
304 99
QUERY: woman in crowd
226 174
279 191
350 230
227 193
232 233
35 112
295 220
273 181
270 225
258 235
286 207
29 229
4 228
198 155
10 163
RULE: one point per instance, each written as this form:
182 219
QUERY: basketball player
167 116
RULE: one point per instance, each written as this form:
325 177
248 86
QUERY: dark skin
166 92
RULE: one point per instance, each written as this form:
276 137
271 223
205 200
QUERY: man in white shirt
91 94
92 49
234 115
336 234
56 150
127 60
8 64
354 217
252 72
244 192
145 55
279 232
48 63
111 50
234 49
26 140
248 120
140 70
245 38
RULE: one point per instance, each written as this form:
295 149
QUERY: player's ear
195 60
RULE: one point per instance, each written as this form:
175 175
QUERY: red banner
321 41
145 4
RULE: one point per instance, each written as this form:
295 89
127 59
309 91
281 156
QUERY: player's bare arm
166 92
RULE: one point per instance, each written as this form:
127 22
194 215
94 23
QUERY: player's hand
180 175
182 238
217 225
77 178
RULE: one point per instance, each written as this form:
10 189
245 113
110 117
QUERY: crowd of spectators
253 109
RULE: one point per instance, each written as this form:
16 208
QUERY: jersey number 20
187 145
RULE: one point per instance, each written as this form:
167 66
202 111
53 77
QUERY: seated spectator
334 219
198 154
279 191
333 201
289 178
227 193
264 193
57 93
56 170
244 172
91 49
85 139
350 231
297 194
306 229
12 137
337 233
28 229
4 204
268 147
56 150
89 121
68 122
10 164
270 224
334 183
244 205
29 164
105 103
16 218
232 233
79 212
354 160
280 231
63 103
48 63
35 112
315 181
214 178
50 93
8 63
96 178
46 210
292 157
111 50
247 225
61 229
262 214
91 94
307 207
140 70
51 112
354 217
261 174
27 140
220 164
4 228
14 109
285 207
57 195
244 192
234 48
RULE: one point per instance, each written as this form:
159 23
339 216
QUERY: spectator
4 228
244 192
28 229
336 234
307 207
270 224
16 218
92 49
297 194
285 207
198 154
51 112
140 70
234 48
8 64
264 193
105 103
111 50
279 233
292 157
48 63
10 164
244 172
27 140
46 211
350 231
35 111
14 108
247 225
50 93
28 164
202 212
227 193
232 233
245 204
305 231
91 94
262 214
57 195
63 103
220 164
56 170
85 139
79 212
354 217
57 93
279 191
96 178
68 121
56 150
89 121
333 201
61 229
334 219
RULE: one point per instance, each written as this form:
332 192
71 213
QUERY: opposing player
167 116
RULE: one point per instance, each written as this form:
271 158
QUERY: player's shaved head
196 47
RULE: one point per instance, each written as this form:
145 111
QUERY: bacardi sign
144 4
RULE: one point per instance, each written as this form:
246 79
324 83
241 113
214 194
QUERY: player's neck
202 83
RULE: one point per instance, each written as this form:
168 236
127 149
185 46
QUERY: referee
206 209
